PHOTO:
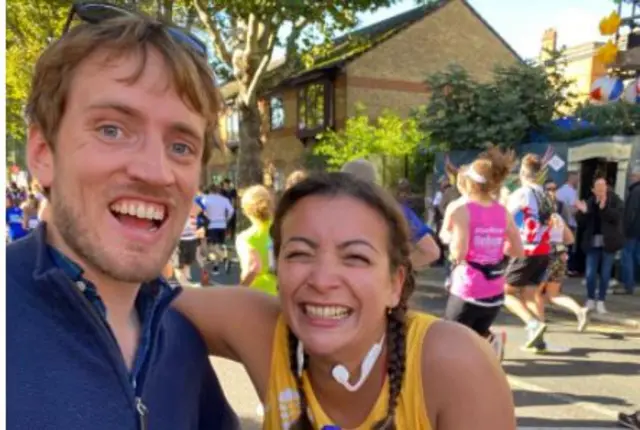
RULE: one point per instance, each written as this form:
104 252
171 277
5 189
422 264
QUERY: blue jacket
65 370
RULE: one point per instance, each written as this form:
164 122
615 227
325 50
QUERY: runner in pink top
487 237
481 231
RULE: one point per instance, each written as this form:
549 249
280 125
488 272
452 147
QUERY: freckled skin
356 276
119 140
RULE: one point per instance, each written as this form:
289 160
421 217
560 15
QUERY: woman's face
334 275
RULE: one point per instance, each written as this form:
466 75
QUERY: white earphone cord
340 372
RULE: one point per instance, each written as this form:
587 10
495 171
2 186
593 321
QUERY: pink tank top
487 235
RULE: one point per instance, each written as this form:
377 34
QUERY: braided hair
344 184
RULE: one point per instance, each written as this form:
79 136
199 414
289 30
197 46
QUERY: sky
522 22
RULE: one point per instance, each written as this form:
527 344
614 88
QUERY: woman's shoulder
454 356
458 367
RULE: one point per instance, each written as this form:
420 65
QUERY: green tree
25 41
521 98
245 35
388 135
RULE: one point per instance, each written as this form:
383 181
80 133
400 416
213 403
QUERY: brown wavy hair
530 167
345 184
494 165
192 77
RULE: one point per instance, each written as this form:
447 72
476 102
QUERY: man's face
600 188
125 168
573 179
551 189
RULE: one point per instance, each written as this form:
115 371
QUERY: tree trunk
248 157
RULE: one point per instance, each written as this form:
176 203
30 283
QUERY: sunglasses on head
95 13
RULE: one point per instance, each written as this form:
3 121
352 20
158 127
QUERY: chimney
550 39
549 43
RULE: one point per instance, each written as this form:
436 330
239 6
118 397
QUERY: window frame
284 112
232 139
327 111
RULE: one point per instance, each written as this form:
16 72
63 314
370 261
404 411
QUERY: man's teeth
329 312
139 209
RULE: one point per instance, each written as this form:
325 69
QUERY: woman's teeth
328 312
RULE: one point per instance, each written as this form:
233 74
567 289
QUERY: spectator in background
295 177
30 211
188 247
601 217
561 208
362 169
438 216
254 245
218 211
631 252
14 219
17 194
230 192
568 195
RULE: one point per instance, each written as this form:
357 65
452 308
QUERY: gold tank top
282 407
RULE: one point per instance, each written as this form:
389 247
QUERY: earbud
340 373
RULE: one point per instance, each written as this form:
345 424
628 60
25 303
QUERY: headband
475 176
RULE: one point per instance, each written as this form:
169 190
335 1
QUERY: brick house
388 71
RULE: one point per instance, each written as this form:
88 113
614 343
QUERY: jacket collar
49 259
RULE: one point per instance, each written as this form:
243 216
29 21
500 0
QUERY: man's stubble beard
81 240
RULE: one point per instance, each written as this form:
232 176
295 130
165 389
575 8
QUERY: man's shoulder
21 256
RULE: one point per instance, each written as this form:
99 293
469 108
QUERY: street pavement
583 387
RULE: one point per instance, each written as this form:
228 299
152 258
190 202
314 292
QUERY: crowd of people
121 116
24 210
597 228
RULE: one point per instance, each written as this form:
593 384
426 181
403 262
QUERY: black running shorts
527 272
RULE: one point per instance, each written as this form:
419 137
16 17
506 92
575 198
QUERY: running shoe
497 342
583 319
535 333
540 347
630 421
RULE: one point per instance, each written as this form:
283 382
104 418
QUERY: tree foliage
243 36
25 41
388 135
521 98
